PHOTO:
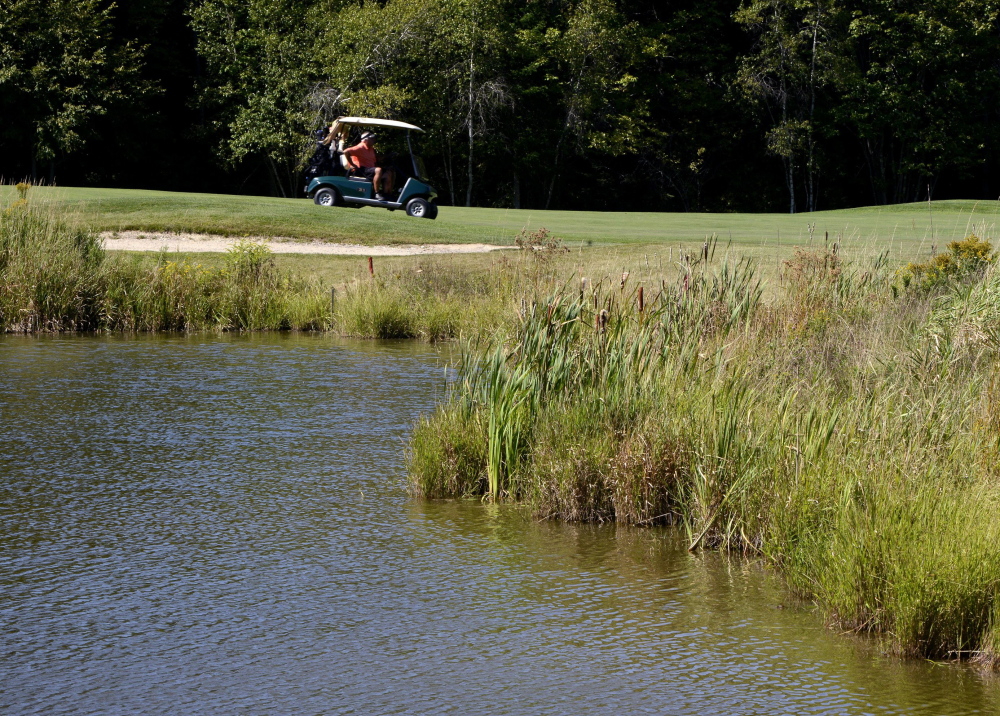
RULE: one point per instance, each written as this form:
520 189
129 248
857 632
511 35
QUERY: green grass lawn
907 230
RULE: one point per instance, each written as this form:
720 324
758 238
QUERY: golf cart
332 181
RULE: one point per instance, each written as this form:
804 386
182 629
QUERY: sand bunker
209 243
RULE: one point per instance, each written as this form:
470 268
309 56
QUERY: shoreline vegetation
55 277
839 419
846 430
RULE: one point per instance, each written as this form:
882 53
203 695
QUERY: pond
221 525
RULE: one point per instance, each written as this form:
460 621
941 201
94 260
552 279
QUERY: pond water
220 525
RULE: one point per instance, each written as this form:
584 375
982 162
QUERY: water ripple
221 525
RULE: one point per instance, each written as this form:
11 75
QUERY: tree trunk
811 139
790 159
277 186
451 174
875 159
468 186
790 180
449 169
566 125
555 162
468 124
790 149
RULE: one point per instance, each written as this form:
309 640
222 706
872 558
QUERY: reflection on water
221 525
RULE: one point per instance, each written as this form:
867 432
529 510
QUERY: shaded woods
720 105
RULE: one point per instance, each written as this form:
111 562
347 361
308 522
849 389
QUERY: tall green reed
835 431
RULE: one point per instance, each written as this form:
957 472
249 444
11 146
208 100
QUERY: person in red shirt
365 163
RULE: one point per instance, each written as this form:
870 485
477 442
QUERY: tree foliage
687 105
61 68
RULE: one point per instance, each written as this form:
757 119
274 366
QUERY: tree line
698 105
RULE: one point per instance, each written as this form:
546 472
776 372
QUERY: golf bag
321 163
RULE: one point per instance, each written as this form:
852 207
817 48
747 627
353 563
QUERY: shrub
964 259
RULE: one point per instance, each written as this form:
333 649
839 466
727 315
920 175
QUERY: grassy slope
907 229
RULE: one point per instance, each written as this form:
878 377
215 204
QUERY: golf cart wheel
418 208
432 211
327 196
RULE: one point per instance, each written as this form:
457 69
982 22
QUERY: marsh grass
49 271
435 300
55 277
843 430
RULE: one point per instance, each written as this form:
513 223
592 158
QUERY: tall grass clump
50 274
846 431
436 303
54 277
247 292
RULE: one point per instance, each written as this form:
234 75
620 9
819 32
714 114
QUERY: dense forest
696 105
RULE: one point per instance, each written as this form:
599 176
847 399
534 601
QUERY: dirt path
209 243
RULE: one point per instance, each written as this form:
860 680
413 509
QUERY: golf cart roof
374 122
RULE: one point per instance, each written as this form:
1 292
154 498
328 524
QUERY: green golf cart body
341 188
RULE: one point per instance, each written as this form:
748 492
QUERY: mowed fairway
906 231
